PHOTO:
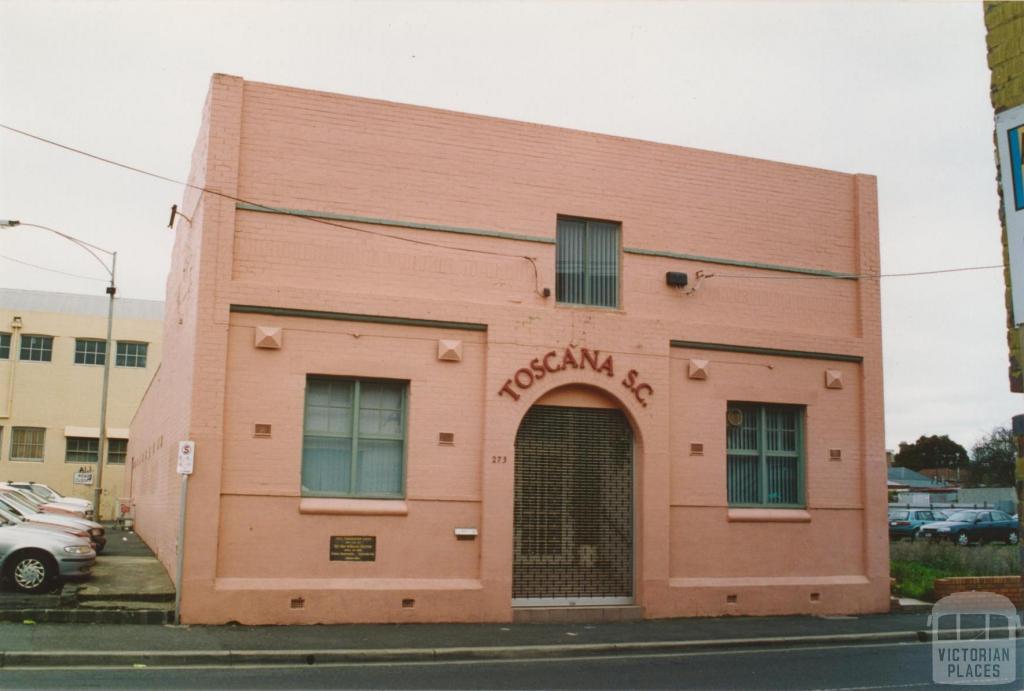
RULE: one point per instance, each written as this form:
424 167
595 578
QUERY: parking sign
186 457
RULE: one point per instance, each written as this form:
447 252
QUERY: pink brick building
436 369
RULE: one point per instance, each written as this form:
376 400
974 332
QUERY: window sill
769 516
353 507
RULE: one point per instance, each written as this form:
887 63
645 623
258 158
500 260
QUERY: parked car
974 525
47 493
47 506
32 558
10 516
943 514
58 507
15 503
904 523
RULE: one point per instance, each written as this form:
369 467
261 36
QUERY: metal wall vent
447 438
261 430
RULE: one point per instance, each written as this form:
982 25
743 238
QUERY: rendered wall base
770 597
302 601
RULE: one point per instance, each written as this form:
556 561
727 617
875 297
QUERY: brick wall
339 154
1007 586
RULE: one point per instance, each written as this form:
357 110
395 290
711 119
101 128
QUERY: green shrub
915 580
916 565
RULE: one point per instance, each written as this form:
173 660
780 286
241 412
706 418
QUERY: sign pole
186 458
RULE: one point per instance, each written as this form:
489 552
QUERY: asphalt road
904 666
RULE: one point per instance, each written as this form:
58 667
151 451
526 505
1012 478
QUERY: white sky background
898 90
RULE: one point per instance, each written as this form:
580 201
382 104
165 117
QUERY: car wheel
913 535
1012 537
31 572
962 539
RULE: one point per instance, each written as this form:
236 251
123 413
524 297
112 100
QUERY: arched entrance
573 519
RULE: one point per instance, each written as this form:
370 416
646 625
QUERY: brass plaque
353 548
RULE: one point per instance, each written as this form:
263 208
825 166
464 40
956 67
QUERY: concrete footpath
105 645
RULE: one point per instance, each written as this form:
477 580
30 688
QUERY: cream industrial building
52 349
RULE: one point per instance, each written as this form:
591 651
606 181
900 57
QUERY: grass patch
916 565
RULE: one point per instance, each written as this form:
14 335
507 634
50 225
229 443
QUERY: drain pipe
15 341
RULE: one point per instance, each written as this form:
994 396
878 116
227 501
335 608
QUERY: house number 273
499 459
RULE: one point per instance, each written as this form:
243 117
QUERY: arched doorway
573 519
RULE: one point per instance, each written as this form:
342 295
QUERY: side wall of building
63 398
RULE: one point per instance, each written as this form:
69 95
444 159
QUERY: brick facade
396 231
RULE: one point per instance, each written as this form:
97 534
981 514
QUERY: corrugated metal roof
73 303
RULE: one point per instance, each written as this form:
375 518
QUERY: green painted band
481 232
346 317
755 350
739 262
502 235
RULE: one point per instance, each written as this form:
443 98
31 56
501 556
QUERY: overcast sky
897 90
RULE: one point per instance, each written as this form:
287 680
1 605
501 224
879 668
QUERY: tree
993 460
931 452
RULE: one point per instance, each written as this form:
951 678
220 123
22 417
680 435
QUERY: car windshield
897 515
28 498
41 492
963 516
10 516
23 507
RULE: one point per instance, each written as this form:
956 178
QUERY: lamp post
111 291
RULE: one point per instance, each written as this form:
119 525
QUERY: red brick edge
1008 586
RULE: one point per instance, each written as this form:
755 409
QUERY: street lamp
111 291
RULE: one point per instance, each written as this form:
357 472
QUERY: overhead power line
892 275
224 195
56 271
335 224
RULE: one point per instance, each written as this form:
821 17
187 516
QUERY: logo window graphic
974 639
1016 162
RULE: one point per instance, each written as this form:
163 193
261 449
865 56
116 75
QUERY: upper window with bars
587 262
765 455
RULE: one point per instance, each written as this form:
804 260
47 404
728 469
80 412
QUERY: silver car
12 501
33 559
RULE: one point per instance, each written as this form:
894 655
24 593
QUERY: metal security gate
573 523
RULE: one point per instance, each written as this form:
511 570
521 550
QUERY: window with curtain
587 262
764 455
354 438
27 443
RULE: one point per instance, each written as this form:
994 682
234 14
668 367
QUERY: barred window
587 262
27 443
82 450
131 354
90 351
354 438
765 456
